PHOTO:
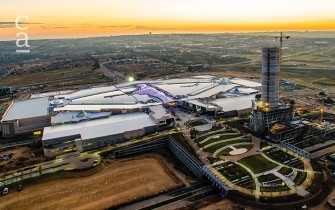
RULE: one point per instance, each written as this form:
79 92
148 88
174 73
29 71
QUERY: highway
114 75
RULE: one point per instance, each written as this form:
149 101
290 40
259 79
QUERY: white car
3 190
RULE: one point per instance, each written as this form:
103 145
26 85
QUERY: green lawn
213 134
257 163
300 178
285 171
221 137
266 178
264 144
284 158
233 172
214 147
194 123
199 133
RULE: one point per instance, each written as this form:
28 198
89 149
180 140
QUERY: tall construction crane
281 38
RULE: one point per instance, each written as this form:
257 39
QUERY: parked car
3 189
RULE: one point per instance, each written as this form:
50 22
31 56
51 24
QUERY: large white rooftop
27 109
65 117
234 103
245 82
116 124
102 107
182 89
159 111
88 92
214 90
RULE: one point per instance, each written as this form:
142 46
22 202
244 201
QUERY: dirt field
226 205
118 181
22 156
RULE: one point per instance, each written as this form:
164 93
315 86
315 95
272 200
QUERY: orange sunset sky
85 18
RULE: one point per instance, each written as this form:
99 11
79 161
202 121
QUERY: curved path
254 151
213 137
229 146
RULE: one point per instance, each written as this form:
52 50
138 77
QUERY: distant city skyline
76 18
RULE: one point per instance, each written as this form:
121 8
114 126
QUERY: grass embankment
257 163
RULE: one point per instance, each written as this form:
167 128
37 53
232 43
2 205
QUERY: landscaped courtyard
251 164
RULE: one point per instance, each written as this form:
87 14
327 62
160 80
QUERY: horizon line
174 33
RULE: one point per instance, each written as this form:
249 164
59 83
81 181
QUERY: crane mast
281 38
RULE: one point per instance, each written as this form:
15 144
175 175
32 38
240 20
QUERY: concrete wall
24 126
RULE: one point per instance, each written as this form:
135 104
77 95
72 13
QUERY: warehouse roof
27 109
77 116
159 111
245 82
234 103
214 90
116 124
103 107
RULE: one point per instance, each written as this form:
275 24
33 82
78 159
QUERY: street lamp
131 79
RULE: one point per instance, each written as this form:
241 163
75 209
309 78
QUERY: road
63 162
324 151
114 75
315 104
175 199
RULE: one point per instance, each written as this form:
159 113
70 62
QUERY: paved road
63 162
176 196
112 74
323 152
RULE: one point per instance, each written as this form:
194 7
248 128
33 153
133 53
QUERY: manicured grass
199 133
235 172
264 144
221 137
284 158
285 171
225 152
195 123
213 134
300 178
257 163
267 178
215 147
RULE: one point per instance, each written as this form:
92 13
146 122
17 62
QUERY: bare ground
116 182
22 157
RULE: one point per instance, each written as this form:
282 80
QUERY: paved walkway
300 191
218 142
203 127
232 147
63 162
271 171
257 184
254 151
212 132
215 137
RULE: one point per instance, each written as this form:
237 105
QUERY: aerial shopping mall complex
243 137
101 116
